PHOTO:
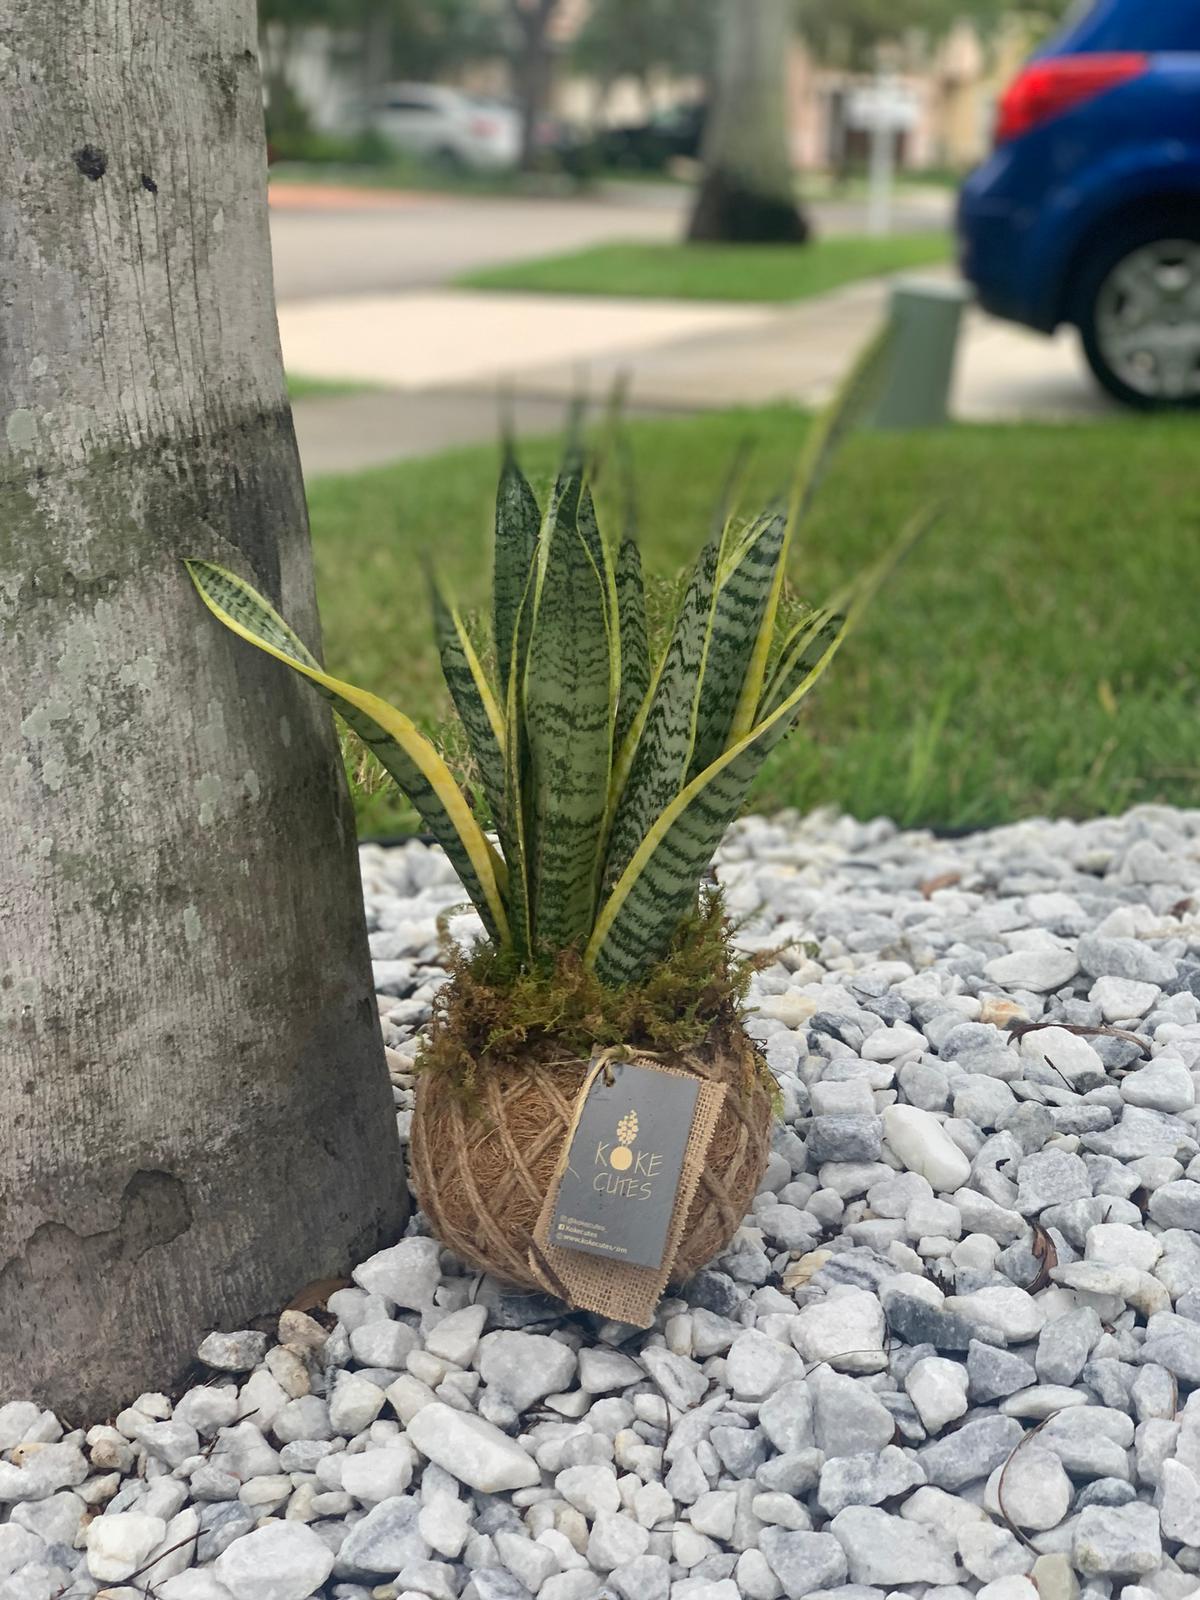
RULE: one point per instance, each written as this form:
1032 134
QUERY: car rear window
1152 25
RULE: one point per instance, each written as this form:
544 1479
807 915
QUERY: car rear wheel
1139 315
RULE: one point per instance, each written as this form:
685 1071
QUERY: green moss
491 1013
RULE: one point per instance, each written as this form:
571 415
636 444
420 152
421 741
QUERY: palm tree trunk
197 1118
747 192
532 69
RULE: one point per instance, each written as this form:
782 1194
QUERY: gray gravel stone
1123 958
1117 1541
867 1480
233 1352
803 1562
887 1551
973 1452
525 1367
385 1539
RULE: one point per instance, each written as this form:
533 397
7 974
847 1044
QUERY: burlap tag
593 1283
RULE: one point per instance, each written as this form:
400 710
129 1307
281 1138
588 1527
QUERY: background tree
197 1119
531 56
747 192
640 38
850 33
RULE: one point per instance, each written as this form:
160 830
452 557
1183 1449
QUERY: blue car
1088 212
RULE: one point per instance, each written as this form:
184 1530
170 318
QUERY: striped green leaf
567 706
589 528
636 921
741 602
801 650
512 823
472 695
664 750
403 751
518 520
853 400
635 645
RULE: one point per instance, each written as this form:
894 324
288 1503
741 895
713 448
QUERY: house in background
952 87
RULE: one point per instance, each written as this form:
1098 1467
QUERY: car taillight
484 127
1048 88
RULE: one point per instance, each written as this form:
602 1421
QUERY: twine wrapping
482 1167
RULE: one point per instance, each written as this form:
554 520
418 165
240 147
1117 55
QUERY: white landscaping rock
1038 969
406 1275
888 1551
1117 1541
938 1389
456 1337
1123 999
525 1367
280 1561
472 1450
233 1352
118 1544
1011 1311
1036 1493
918 1139
1163 1085
846 1331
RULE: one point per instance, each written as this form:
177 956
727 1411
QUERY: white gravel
954 1350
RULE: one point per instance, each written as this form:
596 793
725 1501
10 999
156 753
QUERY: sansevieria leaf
858 392
635 647
802 651
664 749
589 528
514 839
636 921
853 399
518 520
472 695
401 748
741 603
567 694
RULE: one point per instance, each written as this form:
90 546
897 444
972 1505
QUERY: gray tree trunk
533 69
747 193
195 1109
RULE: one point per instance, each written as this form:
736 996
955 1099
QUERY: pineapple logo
621 1158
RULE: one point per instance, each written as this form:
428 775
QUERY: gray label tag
617 1195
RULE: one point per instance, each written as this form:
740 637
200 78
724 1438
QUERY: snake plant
610 777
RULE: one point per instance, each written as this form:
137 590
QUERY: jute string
481 1167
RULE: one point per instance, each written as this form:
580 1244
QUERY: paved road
326 243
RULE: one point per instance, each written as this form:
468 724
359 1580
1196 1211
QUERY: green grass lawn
1038 653
301 388
717 271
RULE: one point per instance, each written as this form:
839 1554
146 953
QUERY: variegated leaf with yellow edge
402 749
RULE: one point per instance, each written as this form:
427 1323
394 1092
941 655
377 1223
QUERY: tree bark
532 72
197 1118
747 193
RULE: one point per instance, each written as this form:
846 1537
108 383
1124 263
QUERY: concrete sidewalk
443 356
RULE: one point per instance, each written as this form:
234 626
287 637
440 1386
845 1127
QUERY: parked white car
447 125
